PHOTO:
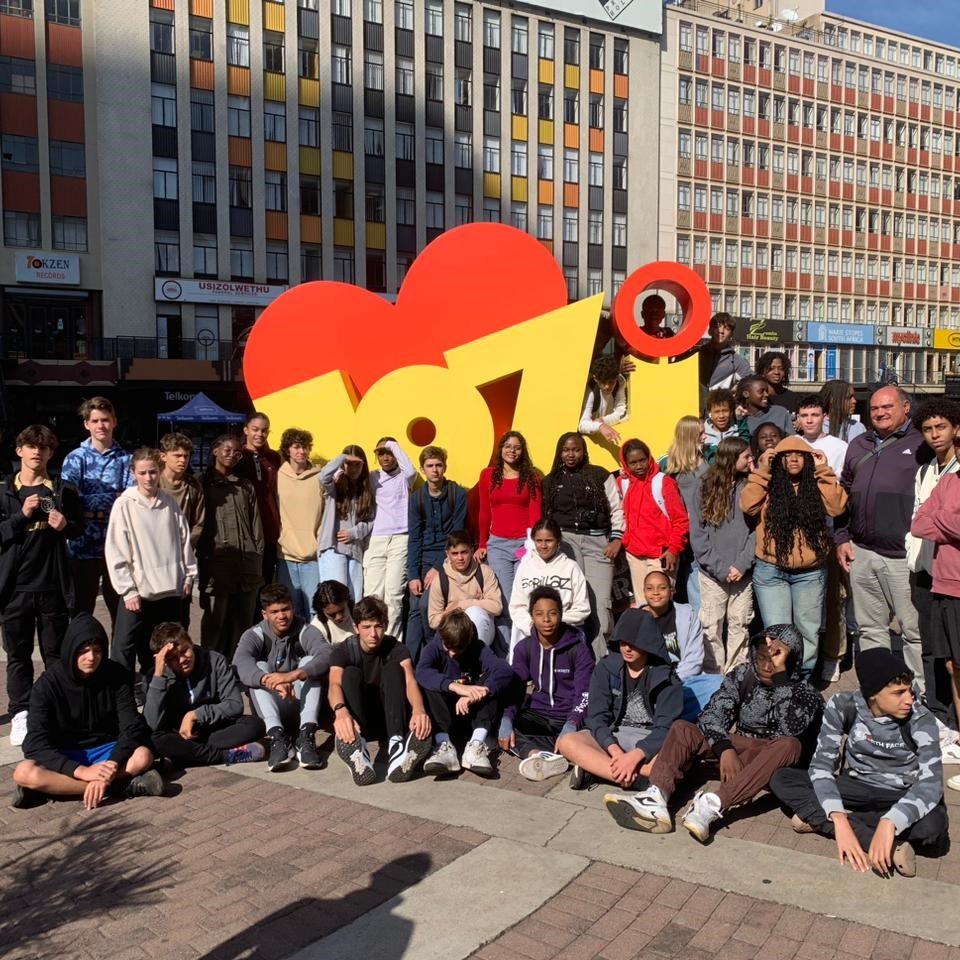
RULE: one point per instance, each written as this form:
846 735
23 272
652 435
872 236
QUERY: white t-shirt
834 449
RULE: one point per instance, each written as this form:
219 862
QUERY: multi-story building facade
810 173
186 160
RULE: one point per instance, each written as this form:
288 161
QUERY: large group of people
617 624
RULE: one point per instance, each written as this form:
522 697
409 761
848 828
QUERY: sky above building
930 19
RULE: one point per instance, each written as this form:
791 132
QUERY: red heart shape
471 281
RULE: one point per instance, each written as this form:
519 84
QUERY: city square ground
241 863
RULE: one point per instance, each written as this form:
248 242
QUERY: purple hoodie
560 676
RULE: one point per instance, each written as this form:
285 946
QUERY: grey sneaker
698 819
646 811
830 671
904 859
24 798
443 761
247 753
404 765
149 784
476 759
801 826
543 765
356 756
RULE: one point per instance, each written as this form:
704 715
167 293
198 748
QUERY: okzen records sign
55 268
181 290
768 331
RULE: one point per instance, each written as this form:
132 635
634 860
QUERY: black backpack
444 581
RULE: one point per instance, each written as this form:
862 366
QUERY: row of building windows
18 75
56 11
22 154
23 230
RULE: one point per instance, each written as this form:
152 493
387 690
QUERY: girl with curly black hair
793 492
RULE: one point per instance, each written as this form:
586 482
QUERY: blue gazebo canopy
201 409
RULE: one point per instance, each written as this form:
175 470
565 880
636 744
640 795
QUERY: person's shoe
948 736
645 811
904 859
476 758
149 784
18 729
704 810
308 755
443 762
248 753
25 799
282 750
954 782
543 765
407 757
830 671
801 826
579 778
356 756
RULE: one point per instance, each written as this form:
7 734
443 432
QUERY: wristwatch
339 706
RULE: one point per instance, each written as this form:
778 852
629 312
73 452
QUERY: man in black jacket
84 735
37 518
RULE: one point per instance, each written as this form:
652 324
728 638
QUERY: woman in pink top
510 504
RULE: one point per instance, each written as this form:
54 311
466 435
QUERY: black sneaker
307 754
282 750
580 779
407 757
25 799
149 784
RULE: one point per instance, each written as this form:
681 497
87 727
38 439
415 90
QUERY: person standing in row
259 465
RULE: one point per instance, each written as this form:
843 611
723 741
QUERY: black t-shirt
350 653
37 570
667 625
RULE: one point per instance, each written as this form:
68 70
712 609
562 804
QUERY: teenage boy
886 793
463 683
435 509
721 421
259 464
374 695
37 518
194 704
385 559
282 661
100 470
720 364
772 709
653 312
811 412
84 737
177 480
465 585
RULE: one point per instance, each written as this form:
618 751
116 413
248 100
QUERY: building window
596 169
163 105
463 23
463 87
619 173
238 116
435 211
343 265
17 8
491 93
518 216
571 277
596 111
274 122
406 208
620 116
309 195
463 151
545 41
518 96
403 14
462 210
309 59
343 199
434 79
571 106
434 148
518 159
376 203
273 60
343 132
491 29
545 161
64 11
373 138
276 190
310 263
491 155
596 52
373 70
595 227
67 159
621 57
241 187
65 83
161 31
342 8
373 11
545 102
433 24
544 222
19 153
204 182
166 253
405 142
619 235
241 258
238 45
341 66
405 81
278 264
21 229
69 233
164 178
204 255
518 44
201 111
571 46
571 166
18 76
201 38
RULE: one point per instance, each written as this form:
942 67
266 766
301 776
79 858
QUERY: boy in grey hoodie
888 793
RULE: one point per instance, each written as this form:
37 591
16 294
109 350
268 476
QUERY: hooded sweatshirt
465 586
878 752
69 711
332 632
938 519
732 544
754 503
659 685
332 522
260 644
787 708
477 665
188 495
722 368
560 572
211 691
147 549
647 530
560 676
686 654
301 508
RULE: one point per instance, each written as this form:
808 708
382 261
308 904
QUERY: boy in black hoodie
635 695
84 735
771 707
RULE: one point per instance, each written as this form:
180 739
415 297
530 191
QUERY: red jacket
647 532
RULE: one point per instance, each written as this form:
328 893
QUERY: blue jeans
502 559
343 569
303 578
793 596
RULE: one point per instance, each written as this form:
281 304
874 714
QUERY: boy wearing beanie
888 795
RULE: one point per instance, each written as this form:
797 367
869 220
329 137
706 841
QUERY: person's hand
508 742
344 536
429 578
187 587
187 724
204 600
741 412
106 770
132 603
285 690
270 681
30 505
730 765
881 847
344 726
624 766
734 575
56 520
608 433
627 365
766 459
420 725
160 659
818 458
845 555
668 561
848 846
611 550
778 655
94 793
462 706
416 587
480 554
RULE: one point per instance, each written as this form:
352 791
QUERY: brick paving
612 913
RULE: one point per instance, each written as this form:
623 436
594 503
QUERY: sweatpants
535 731
277 712
385 576
588 552
865 803
131 632
379 709
25 616
760 758
211 743
445 719
88 578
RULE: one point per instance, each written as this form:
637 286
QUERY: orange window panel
276 225
571 135
202 8
596 81
596 140
68 197
164 4
201 74
309 229
238 81
274 155
621 86
64 45
571 195
548 246
21 191
545 191
240 152
65 121
16 37
18 114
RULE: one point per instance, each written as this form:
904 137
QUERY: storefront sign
768 331
39 267
842 334
182 290
906 336
946 339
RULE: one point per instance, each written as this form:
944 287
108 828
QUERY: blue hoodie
478 664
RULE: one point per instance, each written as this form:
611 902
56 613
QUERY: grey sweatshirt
877 753
732 544
211 691
281 654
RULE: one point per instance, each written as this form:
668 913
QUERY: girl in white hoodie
547 566
150 559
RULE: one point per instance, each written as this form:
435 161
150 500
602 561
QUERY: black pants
865 805
535 731
445 719
937 693
131 632
88 577
381 710
212 742
26 615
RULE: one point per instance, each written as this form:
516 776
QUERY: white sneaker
645 811
950 753
476 758
948 736
18 729
543 765
704 810
443 761
830 671
954 782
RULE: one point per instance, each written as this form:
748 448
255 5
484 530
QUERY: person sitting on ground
721 422
194 704
772 709
463 683
886 795
374 695
606 402
556 659
333 611
468 586
635 695
283 661
753 401
84 735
